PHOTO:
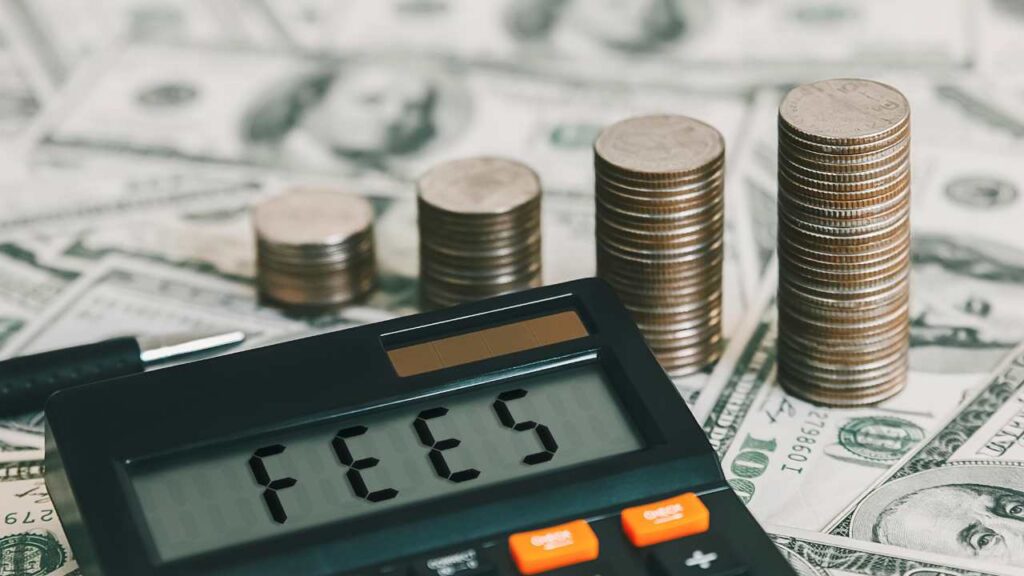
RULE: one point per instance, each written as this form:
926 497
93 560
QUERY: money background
135 134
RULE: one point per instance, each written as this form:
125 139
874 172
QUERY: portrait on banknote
968 317
271 109
967 510
367 113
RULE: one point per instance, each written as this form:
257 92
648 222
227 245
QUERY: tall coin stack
314 248
479 221
660 182
844 241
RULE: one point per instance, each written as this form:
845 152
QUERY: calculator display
246 491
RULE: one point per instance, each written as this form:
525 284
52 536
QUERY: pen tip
167 347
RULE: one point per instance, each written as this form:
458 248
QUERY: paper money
961 492
62 202
32 542
379 121
20 100
794 463
733 32
26 283
967 283
815 554
122 296
63 35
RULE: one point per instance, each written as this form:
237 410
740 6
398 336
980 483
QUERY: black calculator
533 433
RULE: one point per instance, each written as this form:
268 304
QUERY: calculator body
516 435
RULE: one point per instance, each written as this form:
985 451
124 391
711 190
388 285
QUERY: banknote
796 463
961 492
62 35
643 32
376 121
20 440
58 202
816 554
32 542
126 297
20 101
1000 46
26 283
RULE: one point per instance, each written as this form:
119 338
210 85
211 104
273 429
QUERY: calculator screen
246 491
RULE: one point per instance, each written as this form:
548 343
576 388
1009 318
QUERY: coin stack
314 248
844 241
479 221
660 182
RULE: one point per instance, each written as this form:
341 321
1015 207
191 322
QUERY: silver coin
479 186
845 110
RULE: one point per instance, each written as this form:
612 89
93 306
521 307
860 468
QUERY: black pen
27 381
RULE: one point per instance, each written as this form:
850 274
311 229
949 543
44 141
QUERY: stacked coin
479 222
314 248
659 232
844 241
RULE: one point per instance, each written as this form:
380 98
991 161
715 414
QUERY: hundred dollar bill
62 34
377 120
816 554
20 101
795 463
643 33
27 284
121 296
1001 44
61 202
961 492
32 542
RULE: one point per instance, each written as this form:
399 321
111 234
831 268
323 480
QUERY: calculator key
466 562
702 555
555 547
657 522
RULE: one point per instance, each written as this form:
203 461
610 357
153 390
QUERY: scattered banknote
799 465
135 135
19 100
642 32
961 492
62 35
795 463
816 554
377 121
32 542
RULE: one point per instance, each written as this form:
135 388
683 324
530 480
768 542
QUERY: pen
27 381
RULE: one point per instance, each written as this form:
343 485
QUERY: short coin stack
844 241
660 182
314 248
479 221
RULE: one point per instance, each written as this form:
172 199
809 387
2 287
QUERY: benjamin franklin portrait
623 25
364 113
972 511
965 303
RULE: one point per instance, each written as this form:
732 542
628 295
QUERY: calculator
532 433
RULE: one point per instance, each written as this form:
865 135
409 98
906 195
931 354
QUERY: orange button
666 520
554 547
